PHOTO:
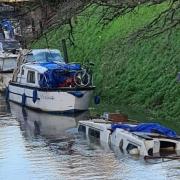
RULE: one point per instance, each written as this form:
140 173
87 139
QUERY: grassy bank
141 74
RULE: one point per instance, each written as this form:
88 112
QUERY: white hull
50 100
8 62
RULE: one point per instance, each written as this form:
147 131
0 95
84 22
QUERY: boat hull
58 100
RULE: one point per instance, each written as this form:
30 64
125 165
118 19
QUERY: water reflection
50 125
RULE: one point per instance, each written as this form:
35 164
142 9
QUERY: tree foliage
164 21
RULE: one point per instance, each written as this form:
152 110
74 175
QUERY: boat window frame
94 133
82 128
22 71
131 146
34 78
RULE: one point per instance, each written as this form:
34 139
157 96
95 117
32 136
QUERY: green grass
140 74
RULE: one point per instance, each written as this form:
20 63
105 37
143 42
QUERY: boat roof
8 55
140 128
35 66
44 50
43 67
37 51
44 55
50 66
98 124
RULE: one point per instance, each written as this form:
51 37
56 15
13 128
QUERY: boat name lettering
46 97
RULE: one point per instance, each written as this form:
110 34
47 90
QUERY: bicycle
84 77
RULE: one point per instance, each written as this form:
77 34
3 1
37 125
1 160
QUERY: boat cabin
45 68
30 75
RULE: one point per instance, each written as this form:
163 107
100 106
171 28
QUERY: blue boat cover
6 24
147 128
57 74
62 66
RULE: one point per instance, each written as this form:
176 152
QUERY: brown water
39 146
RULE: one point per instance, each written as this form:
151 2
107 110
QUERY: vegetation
140 73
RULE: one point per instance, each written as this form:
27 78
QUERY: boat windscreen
45 56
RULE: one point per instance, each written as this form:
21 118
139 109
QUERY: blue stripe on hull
22 95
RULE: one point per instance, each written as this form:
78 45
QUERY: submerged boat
145 139
45 82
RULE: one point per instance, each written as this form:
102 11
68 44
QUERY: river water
39 146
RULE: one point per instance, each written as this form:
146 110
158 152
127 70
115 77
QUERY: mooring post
65 50
41 28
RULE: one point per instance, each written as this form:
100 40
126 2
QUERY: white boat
8 62
142 143
9 50
48 84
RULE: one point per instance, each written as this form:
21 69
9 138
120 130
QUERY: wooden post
65 50
33 27
41 28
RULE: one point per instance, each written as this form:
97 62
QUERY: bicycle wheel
82 78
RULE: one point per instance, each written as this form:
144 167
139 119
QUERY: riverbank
140 74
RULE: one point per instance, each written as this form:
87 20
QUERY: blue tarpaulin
6 24
61 66
57 74
147 128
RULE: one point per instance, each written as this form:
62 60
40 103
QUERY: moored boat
47 83
9 46
145 139
8 55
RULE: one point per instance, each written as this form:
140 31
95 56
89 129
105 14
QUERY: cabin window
82 129
121 144
31 77
40 77
150 152
22 71
94 133
130 147
167 146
